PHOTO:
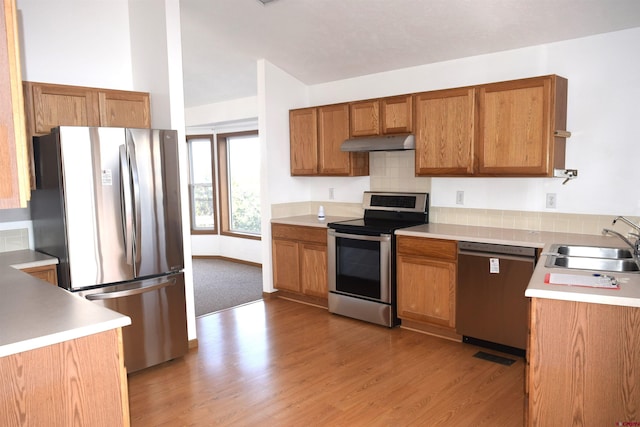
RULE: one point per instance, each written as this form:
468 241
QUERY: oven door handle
378 238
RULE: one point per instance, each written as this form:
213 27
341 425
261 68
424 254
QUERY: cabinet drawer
299 233
432 248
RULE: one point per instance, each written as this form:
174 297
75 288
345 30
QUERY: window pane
201 184
243 160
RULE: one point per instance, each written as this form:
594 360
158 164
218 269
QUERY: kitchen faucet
626 221
635 246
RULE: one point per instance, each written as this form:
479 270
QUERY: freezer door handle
137 209
125 196
128 292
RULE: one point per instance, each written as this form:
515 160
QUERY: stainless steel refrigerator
107 205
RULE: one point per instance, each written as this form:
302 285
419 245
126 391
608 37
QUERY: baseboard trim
270 295
224 258
304 299
438 331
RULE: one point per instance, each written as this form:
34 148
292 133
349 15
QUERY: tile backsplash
14 240
524 220
395 171
520 220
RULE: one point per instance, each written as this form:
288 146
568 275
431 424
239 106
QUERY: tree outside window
239 168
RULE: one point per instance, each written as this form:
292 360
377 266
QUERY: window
237 191
239 171
201 184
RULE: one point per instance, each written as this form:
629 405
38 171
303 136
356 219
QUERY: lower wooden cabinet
47 273
583 364
79 382
300 261
426 275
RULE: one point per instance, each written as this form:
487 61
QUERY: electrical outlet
551 200
331 193
459 197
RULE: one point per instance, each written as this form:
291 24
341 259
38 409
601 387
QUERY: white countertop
26 259
627 295
35 314
309 220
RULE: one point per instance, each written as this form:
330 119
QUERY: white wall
277 91
236 111
76 42
603 75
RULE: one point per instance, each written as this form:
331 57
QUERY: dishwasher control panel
497 249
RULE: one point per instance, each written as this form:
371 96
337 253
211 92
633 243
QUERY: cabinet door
365 118
124 109
333 129
426 290
303 140
397 114
56 105
286 268
445 123
313 270
516 132
14 175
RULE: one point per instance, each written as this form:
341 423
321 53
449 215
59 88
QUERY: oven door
360 265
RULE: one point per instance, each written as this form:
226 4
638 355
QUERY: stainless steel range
361 256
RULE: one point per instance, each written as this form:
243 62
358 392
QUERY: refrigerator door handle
125 196
128 292
137 209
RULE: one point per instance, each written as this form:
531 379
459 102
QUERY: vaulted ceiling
318 41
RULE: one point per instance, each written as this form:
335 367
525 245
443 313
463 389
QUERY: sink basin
597 264
591 251
619 260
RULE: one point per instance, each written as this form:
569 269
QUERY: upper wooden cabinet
303 130
386 116
365 118
445 137
50 105
517 123
14 172
514 128
498 129
124 109
315 137
397 114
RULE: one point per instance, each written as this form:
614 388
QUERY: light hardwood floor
281 363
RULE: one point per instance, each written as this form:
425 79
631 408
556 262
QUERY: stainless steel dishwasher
491 309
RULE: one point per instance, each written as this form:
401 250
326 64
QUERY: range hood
380 143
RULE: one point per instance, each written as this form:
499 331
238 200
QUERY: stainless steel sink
592 251
592 258
597 264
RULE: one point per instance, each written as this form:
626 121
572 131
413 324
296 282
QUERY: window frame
214 187
223 186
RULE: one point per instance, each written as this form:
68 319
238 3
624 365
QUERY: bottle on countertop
321 213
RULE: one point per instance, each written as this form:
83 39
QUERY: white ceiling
318 41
